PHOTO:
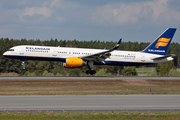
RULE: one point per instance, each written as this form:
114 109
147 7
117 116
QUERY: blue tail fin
160 45
117 45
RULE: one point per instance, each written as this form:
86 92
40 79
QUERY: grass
9 74
88 87
145 71
142 71
178 69
92 115
149 71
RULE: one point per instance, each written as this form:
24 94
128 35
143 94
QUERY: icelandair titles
151 50
36 48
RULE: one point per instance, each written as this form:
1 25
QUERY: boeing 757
78 57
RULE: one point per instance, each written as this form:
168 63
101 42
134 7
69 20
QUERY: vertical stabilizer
160 45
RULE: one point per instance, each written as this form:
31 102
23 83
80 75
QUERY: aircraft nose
4 53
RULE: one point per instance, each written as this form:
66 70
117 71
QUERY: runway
88 78
88 103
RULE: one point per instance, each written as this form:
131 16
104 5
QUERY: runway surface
87 103
83 78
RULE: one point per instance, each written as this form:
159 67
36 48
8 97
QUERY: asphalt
87 103
91 77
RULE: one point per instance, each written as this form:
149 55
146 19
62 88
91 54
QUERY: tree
42 66
129 71
58 69
114 70
173 72
74 72
164 68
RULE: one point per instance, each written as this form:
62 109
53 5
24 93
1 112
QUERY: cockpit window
11 50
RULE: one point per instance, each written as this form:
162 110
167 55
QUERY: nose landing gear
23 64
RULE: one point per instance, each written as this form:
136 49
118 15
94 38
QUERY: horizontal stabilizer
166 56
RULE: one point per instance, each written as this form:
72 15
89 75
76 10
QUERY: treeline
49 68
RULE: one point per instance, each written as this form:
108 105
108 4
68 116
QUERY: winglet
117 45
105 48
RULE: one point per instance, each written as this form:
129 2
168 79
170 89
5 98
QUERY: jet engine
74 62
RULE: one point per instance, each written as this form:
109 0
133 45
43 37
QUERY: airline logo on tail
163 42
160 45
117 45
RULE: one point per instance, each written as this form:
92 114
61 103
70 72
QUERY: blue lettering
37 48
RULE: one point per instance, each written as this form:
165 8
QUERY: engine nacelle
74 63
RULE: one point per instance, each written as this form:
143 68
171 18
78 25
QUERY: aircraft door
143 58
55 53
21 52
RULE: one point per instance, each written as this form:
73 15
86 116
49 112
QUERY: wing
101 56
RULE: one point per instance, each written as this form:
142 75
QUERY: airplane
78 57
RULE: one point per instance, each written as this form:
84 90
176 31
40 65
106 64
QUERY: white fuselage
124 58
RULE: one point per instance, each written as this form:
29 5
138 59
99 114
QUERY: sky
104 20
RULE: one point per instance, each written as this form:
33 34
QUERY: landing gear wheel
91 72
88 71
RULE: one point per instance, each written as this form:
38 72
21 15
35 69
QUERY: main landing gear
91 72
90 66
